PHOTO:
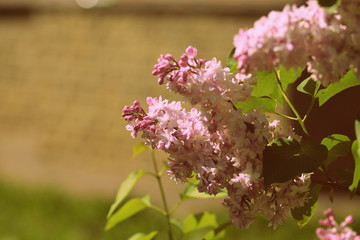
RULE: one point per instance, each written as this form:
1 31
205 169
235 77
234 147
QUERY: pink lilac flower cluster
333 230
220 144
328 44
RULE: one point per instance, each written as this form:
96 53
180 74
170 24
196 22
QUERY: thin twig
313 100
334 185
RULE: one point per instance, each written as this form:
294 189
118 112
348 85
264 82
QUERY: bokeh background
67 68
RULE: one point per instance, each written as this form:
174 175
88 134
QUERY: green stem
158 178
150 173
313 100
325 173
173 209
330 182
286 116
301 122
298 118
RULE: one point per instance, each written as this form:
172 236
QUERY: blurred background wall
67 68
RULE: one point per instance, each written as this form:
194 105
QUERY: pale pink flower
334 230
328 44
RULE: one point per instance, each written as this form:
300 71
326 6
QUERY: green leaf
355 149
347 81
308 86
142 236
212 236
329 5
138 149
129 209
357 127
178 223
267 86
208 220
338 145
288 76
190 223
193 179
125 188
303 214
231 62
285 159
268 104
191 192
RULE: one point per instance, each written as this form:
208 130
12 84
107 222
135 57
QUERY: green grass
48 214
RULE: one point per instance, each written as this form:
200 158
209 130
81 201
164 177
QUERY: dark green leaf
347 81
268 104
329 5
231 62
129 209
267 86
338 145
308 86
288 76
346 174
142 236
303 214
285 159
138 149
355 148
125 188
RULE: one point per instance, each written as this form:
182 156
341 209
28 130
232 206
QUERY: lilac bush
226 146
220 144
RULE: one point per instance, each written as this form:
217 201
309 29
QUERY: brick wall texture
66 75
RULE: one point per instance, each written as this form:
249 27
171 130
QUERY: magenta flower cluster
218 143
328 44
333 230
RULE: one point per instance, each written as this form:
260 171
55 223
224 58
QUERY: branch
334 186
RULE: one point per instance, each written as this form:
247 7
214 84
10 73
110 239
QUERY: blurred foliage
43 213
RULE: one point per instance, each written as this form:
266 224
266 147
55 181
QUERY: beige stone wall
65 77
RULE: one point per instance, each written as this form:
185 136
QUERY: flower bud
191 52
328 212
349 220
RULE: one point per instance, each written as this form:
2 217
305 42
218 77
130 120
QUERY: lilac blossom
328 44
220 144
333 230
